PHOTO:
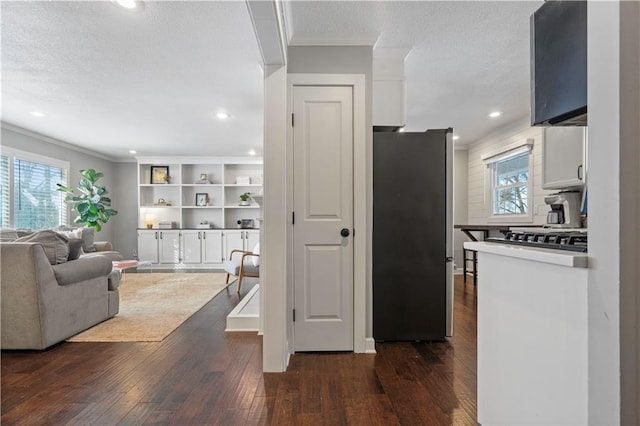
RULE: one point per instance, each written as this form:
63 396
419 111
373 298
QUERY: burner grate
571 241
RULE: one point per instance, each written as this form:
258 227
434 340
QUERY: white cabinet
202 247
212 247
148 246
191 246
252 238
159 246
241 240
563 157
169 246
195 248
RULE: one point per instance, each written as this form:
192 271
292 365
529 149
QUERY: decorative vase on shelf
244 199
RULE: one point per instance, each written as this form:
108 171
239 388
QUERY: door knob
344 232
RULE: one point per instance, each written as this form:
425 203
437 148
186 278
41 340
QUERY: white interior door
323 207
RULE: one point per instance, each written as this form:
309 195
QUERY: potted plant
244 199
91 204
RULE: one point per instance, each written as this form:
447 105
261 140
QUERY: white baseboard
369 346
242 317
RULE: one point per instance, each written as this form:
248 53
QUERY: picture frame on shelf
159 174
204 179
202 199
246 223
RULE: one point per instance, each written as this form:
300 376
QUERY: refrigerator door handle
449 259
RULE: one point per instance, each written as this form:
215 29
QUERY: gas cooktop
571 241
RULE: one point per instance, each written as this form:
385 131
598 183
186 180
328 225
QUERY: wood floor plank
201 375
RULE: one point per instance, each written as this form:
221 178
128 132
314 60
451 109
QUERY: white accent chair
245 264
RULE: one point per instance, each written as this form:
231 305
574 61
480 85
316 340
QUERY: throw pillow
89 237
71 234
87 234
56 246
75 248
256 259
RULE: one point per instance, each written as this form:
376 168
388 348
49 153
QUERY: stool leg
464 266
475 268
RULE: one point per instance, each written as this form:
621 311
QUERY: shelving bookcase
180 192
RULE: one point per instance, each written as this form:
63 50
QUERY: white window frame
16 154
490 160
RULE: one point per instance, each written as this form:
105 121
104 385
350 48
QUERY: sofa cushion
75 248
56 246
8 235
112 255
87 234
233 266
82 269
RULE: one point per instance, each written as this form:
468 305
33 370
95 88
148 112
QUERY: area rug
153 305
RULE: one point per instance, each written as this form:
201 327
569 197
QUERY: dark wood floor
200 375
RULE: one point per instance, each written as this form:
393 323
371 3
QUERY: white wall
614 108
126 202
25 140
273 268
460 194
479 204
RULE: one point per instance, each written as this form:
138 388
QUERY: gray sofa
45 303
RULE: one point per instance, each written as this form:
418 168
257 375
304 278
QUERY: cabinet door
251 239
212 247
563 157
234 240
148 246
191 252
169 246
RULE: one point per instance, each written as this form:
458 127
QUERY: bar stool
474 264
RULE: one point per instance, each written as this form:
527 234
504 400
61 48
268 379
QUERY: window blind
37 203
5 192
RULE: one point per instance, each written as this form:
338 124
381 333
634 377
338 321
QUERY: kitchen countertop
534 254
544 230
467 229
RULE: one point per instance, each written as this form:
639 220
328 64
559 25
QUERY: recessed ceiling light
133 151
38 114
495 114
222 115
252 152
456 137
129 4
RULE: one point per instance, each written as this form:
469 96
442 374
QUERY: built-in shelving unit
175 200
180 199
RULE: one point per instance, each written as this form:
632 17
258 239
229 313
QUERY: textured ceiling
110 80
467 58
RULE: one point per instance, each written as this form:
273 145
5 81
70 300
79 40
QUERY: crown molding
333 39
49 139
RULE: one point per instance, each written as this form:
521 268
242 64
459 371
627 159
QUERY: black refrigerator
412 235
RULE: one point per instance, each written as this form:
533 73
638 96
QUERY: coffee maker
565 209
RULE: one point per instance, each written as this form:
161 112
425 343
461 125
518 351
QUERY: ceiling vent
389 87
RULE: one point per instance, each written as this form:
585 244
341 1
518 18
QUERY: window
5 192
28 191
510 185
